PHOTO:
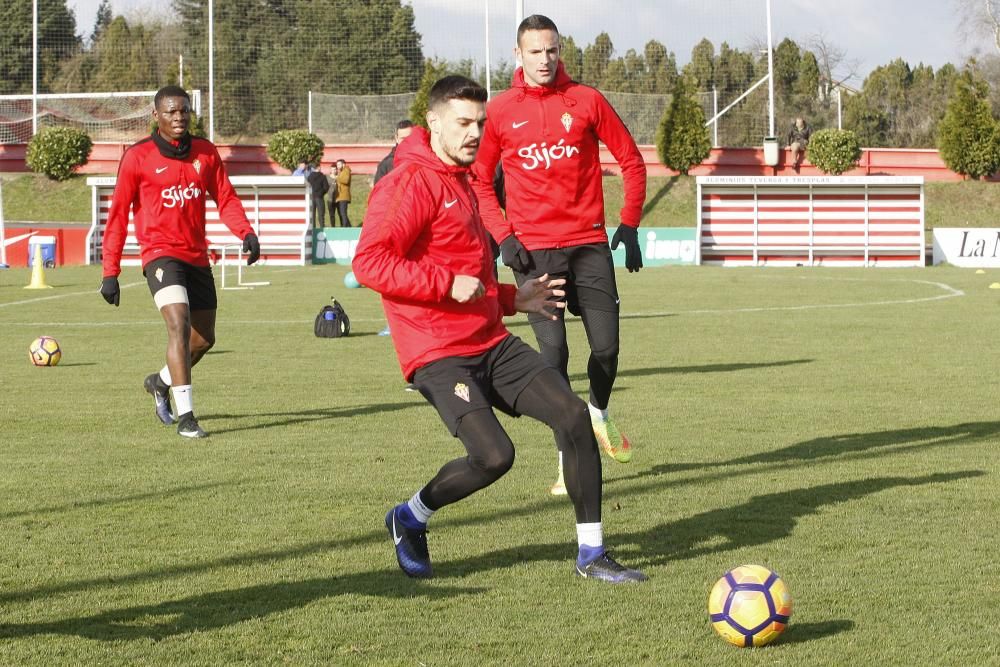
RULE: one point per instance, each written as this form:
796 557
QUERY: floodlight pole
34 67
489 88
770 73
211 70
518 13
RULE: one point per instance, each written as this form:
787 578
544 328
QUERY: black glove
514 255
251 246
630 237
110 290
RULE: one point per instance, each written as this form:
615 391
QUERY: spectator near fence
318 186
798 140
403 130
343 197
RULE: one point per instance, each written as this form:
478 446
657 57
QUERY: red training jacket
546 138
422 228
167 198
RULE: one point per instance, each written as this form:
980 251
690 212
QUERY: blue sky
869 32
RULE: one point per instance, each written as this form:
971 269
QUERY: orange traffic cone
38 272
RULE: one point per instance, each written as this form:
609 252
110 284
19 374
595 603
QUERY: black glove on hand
630 237
110 290
514 255
251 246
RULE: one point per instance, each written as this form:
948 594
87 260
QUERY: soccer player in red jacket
545 131
424 249
163 181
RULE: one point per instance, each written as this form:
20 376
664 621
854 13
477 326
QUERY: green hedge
58 151
834 151
290 147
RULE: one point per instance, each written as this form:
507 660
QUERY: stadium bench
277 207
811 221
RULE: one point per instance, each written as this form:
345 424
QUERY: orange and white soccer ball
750 606
45 351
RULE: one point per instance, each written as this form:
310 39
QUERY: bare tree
979 19
834 66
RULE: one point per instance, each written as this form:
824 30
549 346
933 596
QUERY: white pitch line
950 293
62 296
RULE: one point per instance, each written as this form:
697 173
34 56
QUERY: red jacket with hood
546 138
422 228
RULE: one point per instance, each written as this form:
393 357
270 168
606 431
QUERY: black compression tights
548 399
602 334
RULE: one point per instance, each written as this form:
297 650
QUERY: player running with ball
163 181
424 249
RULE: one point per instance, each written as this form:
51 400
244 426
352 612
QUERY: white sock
165 375
597 413
420 511
591 534
182 399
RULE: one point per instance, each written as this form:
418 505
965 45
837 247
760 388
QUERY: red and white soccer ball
45 351
750 606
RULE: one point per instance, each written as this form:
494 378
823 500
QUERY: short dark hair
455 87
535 22
169 91
403 124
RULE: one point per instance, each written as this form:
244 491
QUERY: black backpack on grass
332 321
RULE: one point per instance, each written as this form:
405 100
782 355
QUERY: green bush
682 139
58 151
968 137
290 147
834 151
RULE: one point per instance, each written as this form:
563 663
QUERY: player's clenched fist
467 288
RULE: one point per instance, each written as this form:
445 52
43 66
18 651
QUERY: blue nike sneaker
411 547
606 568
160 392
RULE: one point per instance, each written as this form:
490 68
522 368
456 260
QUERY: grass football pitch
838 426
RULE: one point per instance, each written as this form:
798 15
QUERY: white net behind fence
358 119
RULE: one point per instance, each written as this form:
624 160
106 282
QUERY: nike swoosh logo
517 125
160 170
449 204
617 301
395 536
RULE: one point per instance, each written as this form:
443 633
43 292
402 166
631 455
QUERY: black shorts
457 386
589 271
196 280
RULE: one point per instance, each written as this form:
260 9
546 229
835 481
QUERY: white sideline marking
95 292
949 293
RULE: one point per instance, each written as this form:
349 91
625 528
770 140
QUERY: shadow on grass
707 368
120 500
762 519
798 633
218 609
840 445
262 420
660 194
635 486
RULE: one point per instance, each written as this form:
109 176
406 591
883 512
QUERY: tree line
269 53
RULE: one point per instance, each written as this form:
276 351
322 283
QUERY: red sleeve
612 131
116 227
231 211
398 213
506 293
483 169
